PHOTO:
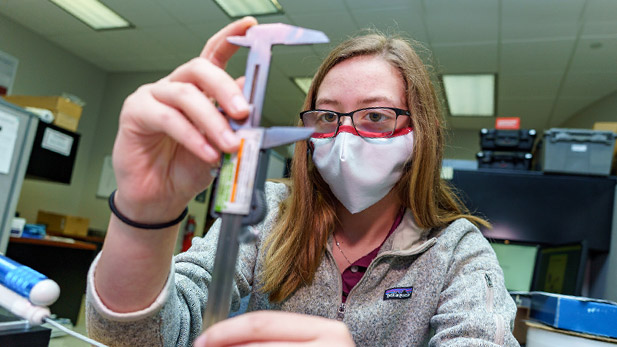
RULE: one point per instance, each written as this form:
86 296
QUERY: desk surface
54 243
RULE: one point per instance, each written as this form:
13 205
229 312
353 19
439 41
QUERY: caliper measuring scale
239 198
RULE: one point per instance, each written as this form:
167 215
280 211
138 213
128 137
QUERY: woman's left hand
275 328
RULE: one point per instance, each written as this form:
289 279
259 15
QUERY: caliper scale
239 198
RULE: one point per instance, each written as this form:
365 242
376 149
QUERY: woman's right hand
171 134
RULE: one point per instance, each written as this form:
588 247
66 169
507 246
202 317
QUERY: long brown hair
294 248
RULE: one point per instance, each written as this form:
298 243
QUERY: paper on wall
9 125
107 181
8 70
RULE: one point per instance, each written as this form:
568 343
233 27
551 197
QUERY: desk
64 262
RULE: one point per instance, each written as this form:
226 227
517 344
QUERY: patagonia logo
398 293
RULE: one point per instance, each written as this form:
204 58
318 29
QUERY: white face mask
361 171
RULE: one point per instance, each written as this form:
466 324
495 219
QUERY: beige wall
118 87
462 144
603 110
46 69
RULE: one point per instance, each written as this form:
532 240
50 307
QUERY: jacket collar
407 238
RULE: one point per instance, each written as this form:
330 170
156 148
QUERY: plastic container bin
504 160
578 151
507 140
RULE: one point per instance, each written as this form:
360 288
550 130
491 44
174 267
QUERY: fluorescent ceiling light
93 13
241 8
304 83
470 95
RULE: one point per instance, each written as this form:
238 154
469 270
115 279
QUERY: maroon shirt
352 274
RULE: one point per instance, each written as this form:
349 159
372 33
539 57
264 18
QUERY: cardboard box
63 224
66 113
574 313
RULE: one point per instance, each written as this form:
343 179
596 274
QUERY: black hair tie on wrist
126 220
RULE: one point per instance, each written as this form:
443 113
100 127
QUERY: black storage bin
507 140
53 154
504 160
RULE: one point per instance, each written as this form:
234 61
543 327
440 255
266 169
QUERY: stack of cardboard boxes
66 112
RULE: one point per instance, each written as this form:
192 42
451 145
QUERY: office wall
47 69
462 144
118 87
603 110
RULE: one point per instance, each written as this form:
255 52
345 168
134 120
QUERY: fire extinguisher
189 232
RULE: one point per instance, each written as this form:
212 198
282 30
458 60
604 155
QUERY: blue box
585 315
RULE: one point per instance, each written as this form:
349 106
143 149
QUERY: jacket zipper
340 313
489 292
499 321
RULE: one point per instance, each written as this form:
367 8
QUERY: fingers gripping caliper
239 197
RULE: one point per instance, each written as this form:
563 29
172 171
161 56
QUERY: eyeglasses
368 122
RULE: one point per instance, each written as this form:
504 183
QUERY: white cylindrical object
44 293
21 307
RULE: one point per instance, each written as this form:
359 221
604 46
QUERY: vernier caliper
239 197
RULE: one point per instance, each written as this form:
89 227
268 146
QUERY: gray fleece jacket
441 288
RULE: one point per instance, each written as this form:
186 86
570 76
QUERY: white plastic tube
21 307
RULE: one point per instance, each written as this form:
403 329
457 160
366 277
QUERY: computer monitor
518 262
561 269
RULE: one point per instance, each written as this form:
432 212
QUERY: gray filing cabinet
17 130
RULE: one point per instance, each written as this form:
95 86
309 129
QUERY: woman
366 233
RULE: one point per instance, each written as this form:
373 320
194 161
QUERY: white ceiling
552 57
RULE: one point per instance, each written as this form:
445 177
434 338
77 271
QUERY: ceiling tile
142 16
302 62
527 19
541 55
126 65
276 18
371 4
190 11
313 6
600 18
599 28
285 95
533 112
236 66
462 21
529 85
288 111
336 25
130 44
599 59
469 58
406 21
43 17
272 114
204 31
175 39
589 85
